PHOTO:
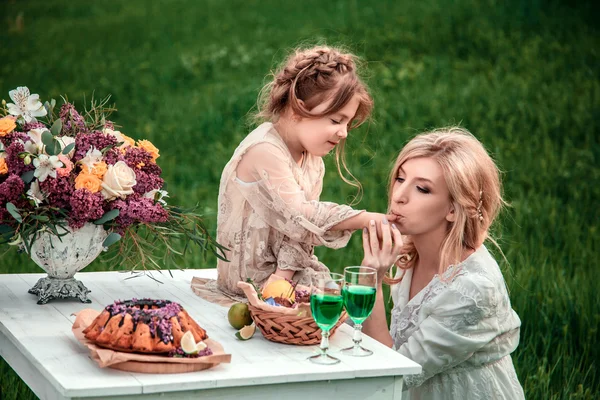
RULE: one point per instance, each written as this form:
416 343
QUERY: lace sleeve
456 324
267 182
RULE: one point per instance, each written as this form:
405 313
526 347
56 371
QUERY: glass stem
324 342
357 338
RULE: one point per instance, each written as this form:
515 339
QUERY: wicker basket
290 329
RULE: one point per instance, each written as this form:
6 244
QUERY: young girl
269 215
452 313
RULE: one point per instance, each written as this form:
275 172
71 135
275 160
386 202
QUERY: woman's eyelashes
336 122
421 189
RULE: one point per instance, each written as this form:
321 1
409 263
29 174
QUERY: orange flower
98 170
88 181
3 167
149 147
7 125
128 141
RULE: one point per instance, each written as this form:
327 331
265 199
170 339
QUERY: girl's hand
382 253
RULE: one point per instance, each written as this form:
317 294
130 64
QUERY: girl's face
420 198
319 136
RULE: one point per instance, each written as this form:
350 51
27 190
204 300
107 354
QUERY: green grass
523 77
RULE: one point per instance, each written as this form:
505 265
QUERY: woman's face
420 198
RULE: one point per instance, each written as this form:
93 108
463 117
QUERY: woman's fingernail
394 226
365 231
372 222
384 221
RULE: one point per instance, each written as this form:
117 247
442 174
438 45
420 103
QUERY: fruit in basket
280 288
246 332
239 315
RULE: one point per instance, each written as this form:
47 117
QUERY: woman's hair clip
479 206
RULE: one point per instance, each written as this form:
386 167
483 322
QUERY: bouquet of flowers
65 169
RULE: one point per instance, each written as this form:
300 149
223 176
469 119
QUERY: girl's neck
293 145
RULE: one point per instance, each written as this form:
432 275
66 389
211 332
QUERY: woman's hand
382 253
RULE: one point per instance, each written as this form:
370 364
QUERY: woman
452 313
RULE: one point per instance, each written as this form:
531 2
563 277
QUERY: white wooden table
37 342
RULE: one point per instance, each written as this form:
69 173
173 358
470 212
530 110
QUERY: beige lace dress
275 219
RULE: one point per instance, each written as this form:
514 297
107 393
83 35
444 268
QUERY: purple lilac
15 164
58 191
85 206
141 209
97 139
73 122
33 125
112 156
146 182
152 168
11 189
134 157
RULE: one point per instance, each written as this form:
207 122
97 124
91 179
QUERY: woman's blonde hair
473 180
315 75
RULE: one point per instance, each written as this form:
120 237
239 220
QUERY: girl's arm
361 221
380 255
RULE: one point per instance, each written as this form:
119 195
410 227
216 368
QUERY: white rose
118 181
117 135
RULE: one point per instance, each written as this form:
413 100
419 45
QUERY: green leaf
110 215
47 138
14 211
5 229
27 176
111 239
42 218
68 149
52 145
107 148
56 127
53 103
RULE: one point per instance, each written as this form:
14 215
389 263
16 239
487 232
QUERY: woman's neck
428 248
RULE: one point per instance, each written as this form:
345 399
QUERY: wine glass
326 304
359 293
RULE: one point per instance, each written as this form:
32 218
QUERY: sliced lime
246 332
188 343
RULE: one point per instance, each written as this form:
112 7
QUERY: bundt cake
145 326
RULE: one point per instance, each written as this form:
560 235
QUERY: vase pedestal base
54 288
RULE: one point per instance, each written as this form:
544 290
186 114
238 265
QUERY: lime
201 346
188 343
246 332
239 315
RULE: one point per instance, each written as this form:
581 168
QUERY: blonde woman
452 312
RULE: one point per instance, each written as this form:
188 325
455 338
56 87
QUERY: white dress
461 329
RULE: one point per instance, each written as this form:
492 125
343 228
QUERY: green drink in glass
359 292
326 303
326 309
359 301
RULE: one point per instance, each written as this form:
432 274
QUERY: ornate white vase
62 257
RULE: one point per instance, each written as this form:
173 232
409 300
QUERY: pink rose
67 165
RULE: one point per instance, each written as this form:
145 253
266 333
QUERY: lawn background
522 76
